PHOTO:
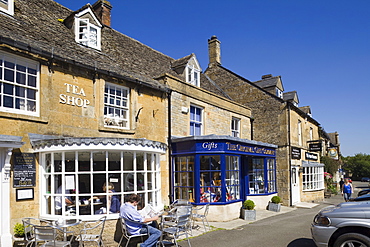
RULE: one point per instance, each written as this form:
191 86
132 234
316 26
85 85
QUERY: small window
7 6
279 93
196 121
19 85
87 33
235 127
192 75
116 106
299 133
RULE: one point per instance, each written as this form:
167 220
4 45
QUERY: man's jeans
155 234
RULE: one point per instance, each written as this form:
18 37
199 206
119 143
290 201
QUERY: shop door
296 193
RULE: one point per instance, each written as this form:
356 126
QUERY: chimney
102 9
266 76
214 50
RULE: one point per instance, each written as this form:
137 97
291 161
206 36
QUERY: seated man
128 211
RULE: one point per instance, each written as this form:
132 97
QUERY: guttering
169 134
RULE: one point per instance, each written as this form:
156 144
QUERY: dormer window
279 93
7 6
192 75
88 29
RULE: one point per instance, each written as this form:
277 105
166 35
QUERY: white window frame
311 133
117 106
144 164
313 178
279 93
24 84
195 122
235 127
192 75
9 6
89 26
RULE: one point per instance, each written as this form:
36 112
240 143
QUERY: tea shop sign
76 99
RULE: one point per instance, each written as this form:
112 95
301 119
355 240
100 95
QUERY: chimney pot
102 9
266 76
214 50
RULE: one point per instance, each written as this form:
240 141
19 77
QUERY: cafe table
64 224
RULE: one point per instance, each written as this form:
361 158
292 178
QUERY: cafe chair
92 232
178 229
49 235
29 231
201 213
127 235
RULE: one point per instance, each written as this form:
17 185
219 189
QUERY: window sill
24 117
116 130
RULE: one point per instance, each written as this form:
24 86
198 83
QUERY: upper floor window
7 6
235 127
192 75
116 106
279 93
311 133
87 33
196 121
19 85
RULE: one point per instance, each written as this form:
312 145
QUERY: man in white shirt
128 211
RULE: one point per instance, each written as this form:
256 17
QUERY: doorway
296 193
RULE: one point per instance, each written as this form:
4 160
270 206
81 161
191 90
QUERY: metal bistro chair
29 231
92 232
49 236
127 235
202 216
170 219
178 229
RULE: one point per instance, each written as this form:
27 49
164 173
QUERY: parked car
365 179
363 192
346 224
365 197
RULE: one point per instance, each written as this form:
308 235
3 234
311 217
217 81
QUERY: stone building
83 106
278 120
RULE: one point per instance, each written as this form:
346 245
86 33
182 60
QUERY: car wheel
352 240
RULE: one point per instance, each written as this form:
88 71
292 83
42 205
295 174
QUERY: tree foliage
358 165
331 165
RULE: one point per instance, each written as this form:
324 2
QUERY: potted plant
247 212
18 232
274 204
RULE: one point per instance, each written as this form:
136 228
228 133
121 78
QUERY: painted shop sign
296 153
314 147
311 156
76 98
235 147
24 174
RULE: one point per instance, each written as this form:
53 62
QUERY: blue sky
319 48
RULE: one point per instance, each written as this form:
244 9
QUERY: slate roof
272 81
291 96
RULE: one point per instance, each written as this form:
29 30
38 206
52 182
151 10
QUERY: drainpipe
252 121
289 157
169 116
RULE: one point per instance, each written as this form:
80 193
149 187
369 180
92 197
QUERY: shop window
196 120
232 181
313 178
116 106
184 177
19 85
256 174
85 183
210 178
235 127
271 176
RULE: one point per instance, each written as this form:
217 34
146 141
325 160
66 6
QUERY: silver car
344 225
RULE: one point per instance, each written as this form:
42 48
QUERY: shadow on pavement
302 242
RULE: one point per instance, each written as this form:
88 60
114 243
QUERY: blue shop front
223 171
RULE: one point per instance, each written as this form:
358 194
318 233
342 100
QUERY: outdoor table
64 224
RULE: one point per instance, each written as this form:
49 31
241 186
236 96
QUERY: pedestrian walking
347 190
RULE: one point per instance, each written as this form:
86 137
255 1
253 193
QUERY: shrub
276 199
248 204
19 230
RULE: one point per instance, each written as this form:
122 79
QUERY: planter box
274 207
247 214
